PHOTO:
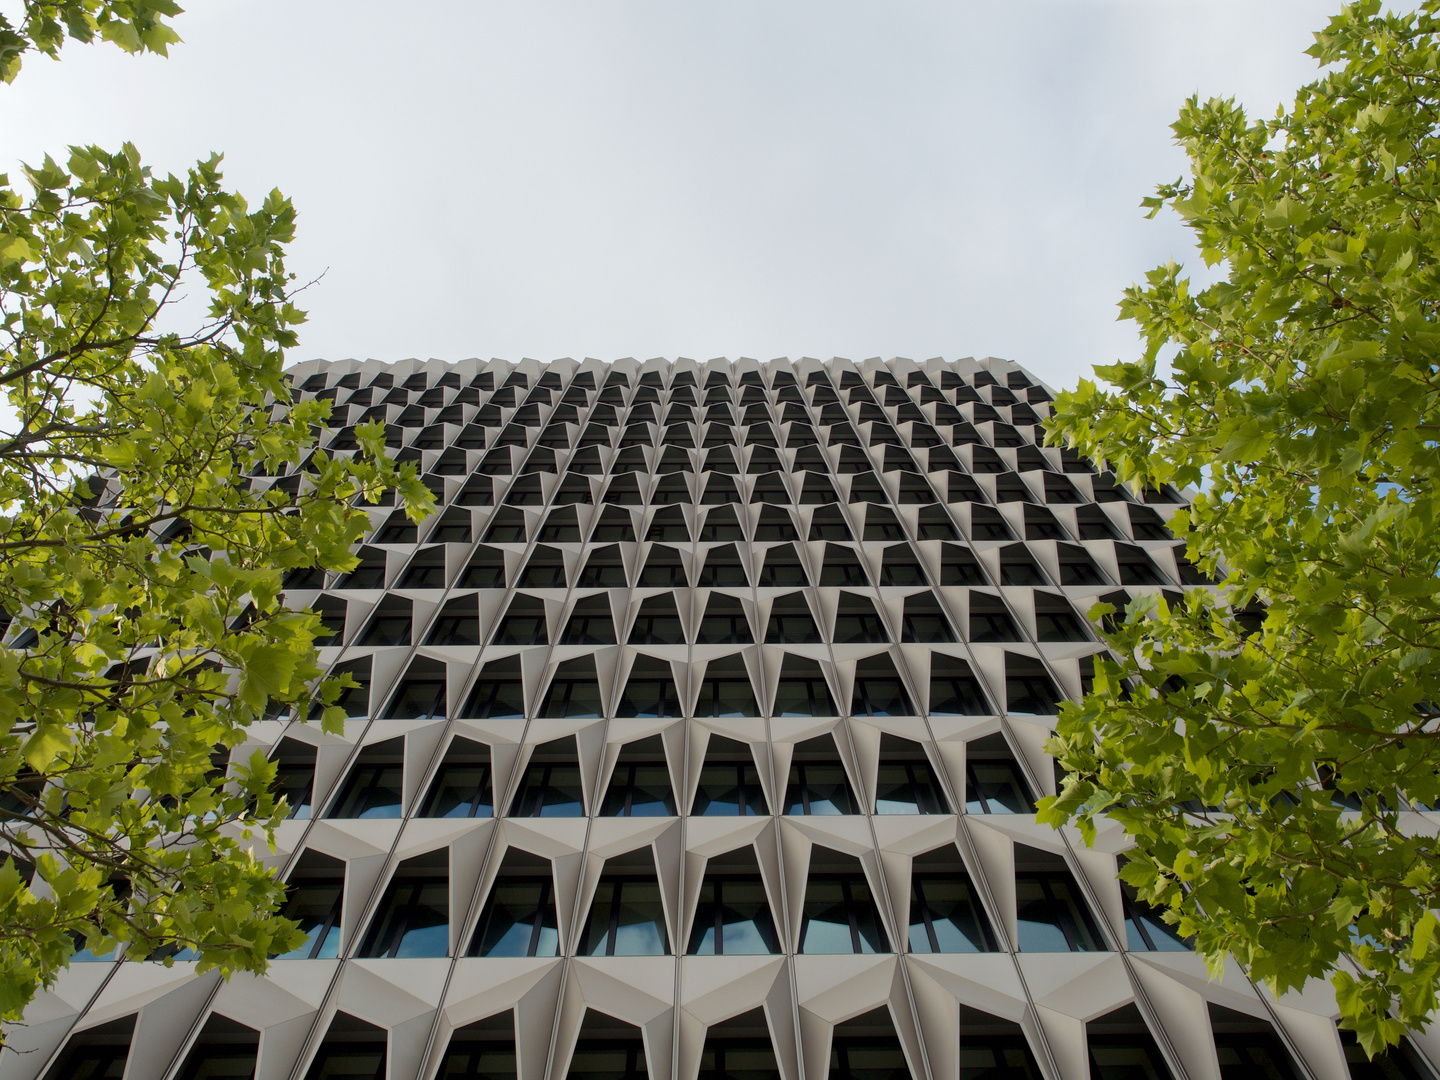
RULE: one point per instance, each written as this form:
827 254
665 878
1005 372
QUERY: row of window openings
615 522
678 424
630 480
733 915
724 622
1119 1047
684 395
1119 1044
558 433
653 381
761 460
718 445
729 783
775 523
722 566
724 691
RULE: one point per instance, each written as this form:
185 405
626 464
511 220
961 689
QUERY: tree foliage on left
140 564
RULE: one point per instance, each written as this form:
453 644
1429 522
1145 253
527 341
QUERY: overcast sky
761 179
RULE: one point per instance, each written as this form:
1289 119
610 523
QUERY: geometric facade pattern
698 735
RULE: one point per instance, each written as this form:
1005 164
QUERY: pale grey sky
753 177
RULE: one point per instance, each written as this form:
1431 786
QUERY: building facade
698 735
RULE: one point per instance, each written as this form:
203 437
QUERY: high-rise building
698 734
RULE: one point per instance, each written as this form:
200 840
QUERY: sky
751 178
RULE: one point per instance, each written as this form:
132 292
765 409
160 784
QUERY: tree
140 565
1259 746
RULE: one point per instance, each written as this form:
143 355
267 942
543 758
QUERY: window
373 788
223 1050
518 918
945 914
1136 567
452 528
729 782
739 1049
1145 929
1055 619
721 524
1398 1063
791 621
987 524
390 624
562 525
398 529
524 622
924 620
906 782
719 490
994 783
574 690
828 523
486 570
413 918
1122 1048
663 569
421 694
1052 915
990 619
352 1050
782 567
880 522
484 1050
900 567
551 784
724 623
658 622
878 689
1017 567
498 692
840 914
733 917
1248 1046
425 571
1077 568
857 622
545 570
615 524
640 784
590 621
608 1049
725 689
98 1053
603 570
669 525
723 568
626 916
650 690
1028 688
959 566
842 567
314 895
994 1049
294 777
935 524
818 784
802 690
775 524
462 785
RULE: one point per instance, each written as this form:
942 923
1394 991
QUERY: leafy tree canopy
1266 768
140 563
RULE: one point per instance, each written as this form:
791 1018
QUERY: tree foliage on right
1263 748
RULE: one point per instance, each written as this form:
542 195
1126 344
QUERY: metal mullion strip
865 797
783 925
501 798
